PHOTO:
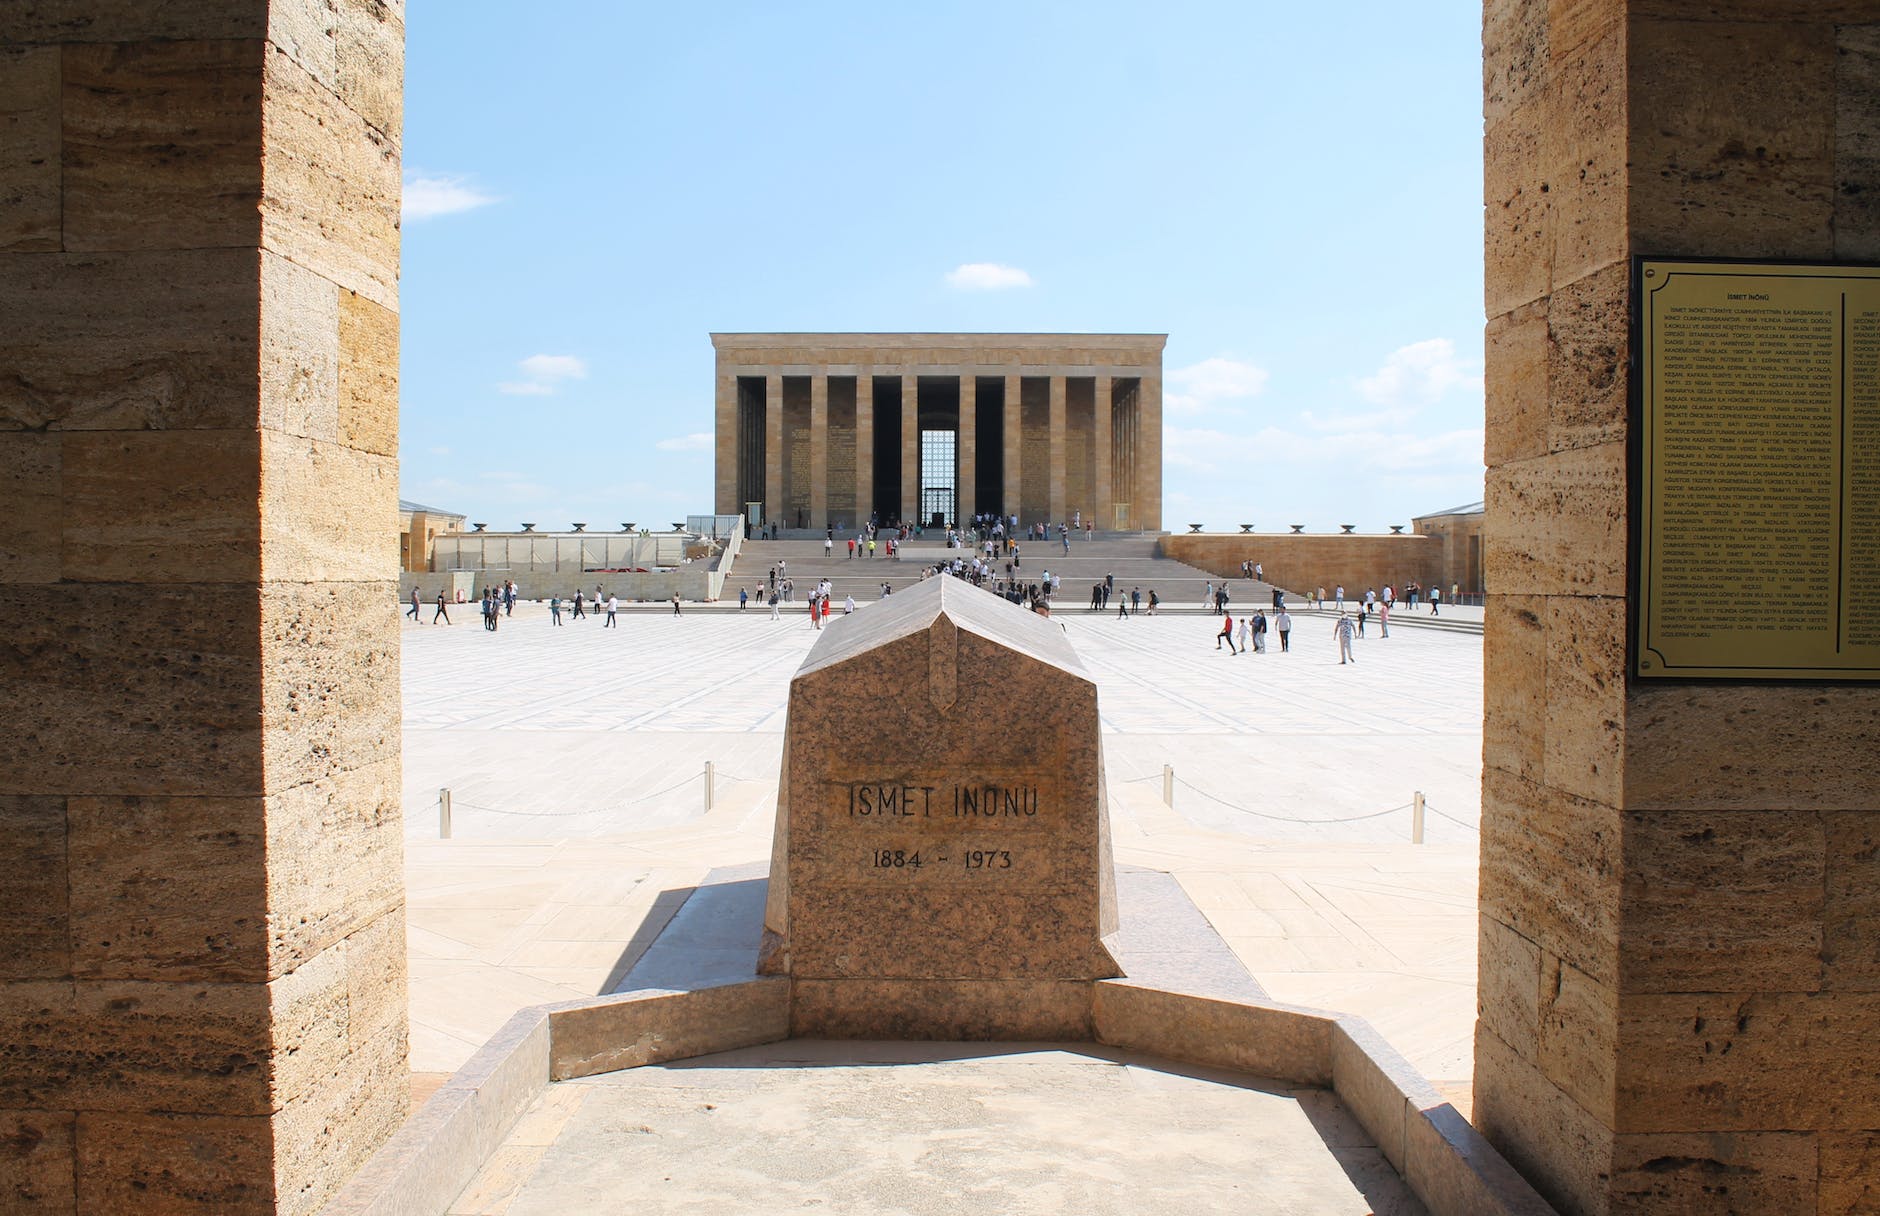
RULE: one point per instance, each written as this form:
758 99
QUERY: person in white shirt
613 606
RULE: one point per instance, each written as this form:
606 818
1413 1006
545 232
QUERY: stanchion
443 814
708 785
1416 818
1168 784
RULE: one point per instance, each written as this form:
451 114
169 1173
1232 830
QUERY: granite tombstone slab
941 866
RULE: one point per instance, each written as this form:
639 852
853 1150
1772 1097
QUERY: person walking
1283 623
775 599
415 601
613 606
1155 601
1436 599
440 614
1122 607
1245 630
1338 598
1383 617
554 609
675 603
1226 635
1259 632
509 598
1341 629
1208 601
578 614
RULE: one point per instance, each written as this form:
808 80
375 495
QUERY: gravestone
941 867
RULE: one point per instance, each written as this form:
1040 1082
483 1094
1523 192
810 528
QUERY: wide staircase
1131 557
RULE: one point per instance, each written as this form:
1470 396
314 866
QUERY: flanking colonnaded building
823 430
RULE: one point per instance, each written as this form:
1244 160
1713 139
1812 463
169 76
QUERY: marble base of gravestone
941 867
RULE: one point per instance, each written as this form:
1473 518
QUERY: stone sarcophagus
941 867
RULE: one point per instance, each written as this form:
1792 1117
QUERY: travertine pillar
1147 504
1102 512
725 438
969 447
819 451
910 446
202 995
774 509
864 445
1680 958
1014 443
1060 428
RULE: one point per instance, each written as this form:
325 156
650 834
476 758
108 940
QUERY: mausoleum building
827 430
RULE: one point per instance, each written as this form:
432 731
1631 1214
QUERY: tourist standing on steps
440 614
1226 635
744 597
829 546
613 606
1283 623
554 609
1341 629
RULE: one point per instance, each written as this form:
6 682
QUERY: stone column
864 445
1147 506
1060 426
774 509
1014 443
725 443
969 447
1102 513
202 957
819 451
910 446
1680 961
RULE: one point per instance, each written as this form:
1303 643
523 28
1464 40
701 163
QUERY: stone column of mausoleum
1680 961
202 994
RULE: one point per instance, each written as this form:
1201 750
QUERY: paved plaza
575 757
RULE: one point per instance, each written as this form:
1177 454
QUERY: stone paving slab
934 1128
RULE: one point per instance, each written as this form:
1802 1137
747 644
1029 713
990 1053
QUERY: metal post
1416 818
708 785
1168 784
443 814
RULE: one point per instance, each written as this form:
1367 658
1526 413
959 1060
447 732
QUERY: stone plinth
942 858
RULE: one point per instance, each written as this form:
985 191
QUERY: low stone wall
441 1147
1304 562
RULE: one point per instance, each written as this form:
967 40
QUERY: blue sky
1291 192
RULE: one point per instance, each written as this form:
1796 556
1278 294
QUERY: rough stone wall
1680 965
1302 562
202 1003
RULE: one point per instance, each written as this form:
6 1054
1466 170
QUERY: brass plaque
1758 479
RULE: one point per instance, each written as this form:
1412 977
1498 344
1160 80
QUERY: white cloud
1206 384
1421 374
697 441
427 197
987 276
544 373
